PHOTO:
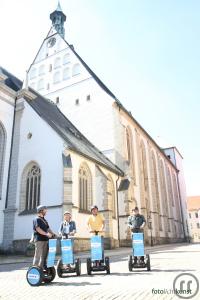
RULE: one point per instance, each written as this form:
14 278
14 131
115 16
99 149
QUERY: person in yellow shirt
96 221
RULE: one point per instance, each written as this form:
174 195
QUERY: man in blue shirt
42 233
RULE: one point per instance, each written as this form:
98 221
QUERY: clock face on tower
51 42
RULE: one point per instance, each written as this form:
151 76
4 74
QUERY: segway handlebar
96 232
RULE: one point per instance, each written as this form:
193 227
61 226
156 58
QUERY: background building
194 218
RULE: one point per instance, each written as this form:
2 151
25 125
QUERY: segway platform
97 262
138 259
67 264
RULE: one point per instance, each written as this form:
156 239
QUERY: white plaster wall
6 118
93 118
25 223
45 147
182 186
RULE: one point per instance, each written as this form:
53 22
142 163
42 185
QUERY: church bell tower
58 18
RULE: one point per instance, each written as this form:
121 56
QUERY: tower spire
58 18
59 7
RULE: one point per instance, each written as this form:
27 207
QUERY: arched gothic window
31 186
111 196
85 188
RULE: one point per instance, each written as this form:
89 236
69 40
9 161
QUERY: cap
135 209
94 206
41 207
67 213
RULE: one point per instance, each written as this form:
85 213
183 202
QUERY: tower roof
59 7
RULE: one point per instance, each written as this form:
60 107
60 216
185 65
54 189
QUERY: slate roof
76 141
12 82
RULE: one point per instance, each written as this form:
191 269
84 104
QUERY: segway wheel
51 275
107 263
89 267
130 263
59 268
148 262
34 276
78 266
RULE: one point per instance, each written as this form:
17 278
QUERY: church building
67 142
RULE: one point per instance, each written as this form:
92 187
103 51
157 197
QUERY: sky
146 51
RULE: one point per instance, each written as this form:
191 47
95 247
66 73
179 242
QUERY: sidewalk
123 251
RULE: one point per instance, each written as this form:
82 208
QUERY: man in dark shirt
42 233
136 221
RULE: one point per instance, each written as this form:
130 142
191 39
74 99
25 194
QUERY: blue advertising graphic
52 253
33 276
138 244
96 247
67 251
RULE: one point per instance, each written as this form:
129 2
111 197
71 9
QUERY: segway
36 275
97 262
138 259
67 264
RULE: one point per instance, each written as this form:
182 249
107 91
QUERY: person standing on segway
136 223
96 222
42 233
67 227
96 225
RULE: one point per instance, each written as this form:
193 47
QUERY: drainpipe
11 151
118 209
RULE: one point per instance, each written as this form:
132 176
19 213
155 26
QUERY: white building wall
177 159
45 148
6 118
98 110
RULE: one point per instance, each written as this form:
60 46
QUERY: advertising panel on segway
97 262
68 264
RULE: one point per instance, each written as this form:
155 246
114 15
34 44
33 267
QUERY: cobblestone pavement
167 262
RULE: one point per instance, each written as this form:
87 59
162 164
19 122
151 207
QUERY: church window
88 98
57 100
77 101
41 70
48 86
33 73
57 77
40 84
57 63
66 73
111 196
50 67
128 145
2 154
30 188
66 59
85 188
76 70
